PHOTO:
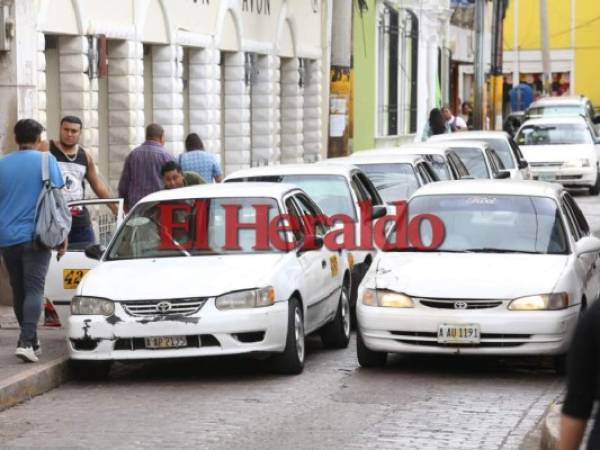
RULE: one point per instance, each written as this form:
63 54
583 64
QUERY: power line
581 25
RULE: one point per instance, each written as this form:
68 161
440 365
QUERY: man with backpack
26 258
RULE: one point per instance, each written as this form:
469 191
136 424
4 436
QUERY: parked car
171 292
396 177
565 150
516 268
505 147
478 157
575 105
337 189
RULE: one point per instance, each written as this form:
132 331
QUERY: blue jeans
27 266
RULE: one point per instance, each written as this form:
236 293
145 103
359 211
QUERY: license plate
72 277
459 334
165 342
547 177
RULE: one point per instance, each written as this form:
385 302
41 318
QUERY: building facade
401 68
574 49
251 77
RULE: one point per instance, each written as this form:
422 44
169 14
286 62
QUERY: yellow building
574 30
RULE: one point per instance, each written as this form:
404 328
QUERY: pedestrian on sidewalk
455 123
196 159
174 177
77 166
141 173
26 259
583 378
435 125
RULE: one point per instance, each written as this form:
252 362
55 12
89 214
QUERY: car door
590 261
330 276
65 275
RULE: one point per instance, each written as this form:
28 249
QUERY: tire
291 361
369 358
595 189
90 370
336 334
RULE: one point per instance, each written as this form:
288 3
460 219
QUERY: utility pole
545 46
479 69
497 78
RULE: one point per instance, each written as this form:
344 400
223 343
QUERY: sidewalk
20 381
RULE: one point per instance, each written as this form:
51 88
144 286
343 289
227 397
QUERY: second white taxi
173 282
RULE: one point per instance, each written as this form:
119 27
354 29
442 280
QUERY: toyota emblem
460 305
163 307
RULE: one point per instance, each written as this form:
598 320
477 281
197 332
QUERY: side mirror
523 164
310 243
378 211
95 251
502 175
587 244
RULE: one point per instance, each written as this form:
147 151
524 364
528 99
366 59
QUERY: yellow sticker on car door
333 264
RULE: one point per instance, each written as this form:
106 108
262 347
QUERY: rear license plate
165 342
459 334
72 277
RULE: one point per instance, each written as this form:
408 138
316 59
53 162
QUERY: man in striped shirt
141 173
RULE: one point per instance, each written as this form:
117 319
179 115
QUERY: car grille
489 340
450 303
179 306
545 164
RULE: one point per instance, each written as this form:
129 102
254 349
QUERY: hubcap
299 333
345 313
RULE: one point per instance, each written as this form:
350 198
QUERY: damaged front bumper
208 332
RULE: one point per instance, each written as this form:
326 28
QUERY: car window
580 220
370 189
308 209
503 150
293 209
424 174
440 166
495 161
393 181
460 169
555 134
570 217
474 161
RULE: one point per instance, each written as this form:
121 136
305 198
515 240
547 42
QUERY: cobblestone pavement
413 403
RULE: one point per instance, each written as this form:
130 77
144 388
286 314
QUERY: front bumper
566 176
502 331
209 332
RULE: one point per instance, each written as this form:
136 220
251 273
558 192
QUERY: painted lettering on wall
261 7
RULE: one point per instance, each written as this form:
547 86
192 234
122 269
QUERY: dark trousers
27 266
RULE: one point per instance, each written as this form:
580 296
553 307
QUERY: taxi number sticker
72 277
333 263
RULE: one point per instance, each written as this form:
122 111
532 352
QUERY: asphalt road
413 403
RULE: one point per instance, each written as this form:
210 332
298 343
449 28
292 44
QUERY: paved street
413 403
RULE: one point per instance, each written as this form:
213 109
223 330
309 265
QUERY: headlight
92 306
543 302
577 163
252 298
385 298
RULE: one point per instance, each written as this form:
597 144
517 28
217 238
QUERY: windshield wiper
500 250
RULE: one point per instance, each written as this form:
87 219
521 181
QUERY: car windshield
197 228
473 160
556 110
494 223
394 181
555 134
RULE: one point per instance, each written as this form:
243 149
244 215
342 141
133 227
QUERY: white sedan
516 268
174 283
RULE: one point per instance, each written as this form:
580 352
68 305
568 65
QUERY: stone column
41 80
237 114
205 98
125 103
277 109
312 112
292 113
167 71
263 112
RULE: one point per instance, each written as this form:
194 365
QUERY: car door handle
323 264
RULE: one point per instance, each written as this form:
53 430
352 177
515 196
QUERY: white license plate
546 177
459 334
165 342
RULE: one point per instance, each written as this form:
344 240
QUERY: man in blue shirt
26 259
196 159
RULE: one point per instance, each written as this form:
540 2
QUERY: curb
551 427
35 381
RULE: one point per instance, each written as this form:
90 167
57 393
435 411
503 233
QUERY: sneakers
37 348
27 354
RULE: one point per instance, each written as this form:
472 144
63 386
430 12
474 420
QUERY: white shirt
458 122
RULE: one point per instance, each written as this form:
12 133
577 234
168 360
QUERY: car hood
180 277
469 275
557 153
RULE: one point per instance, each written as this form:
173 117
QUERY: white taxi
516 267
187 275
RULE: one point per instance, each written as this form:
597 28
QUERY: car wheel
291 361
90 370
336 334
367 357
595 189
